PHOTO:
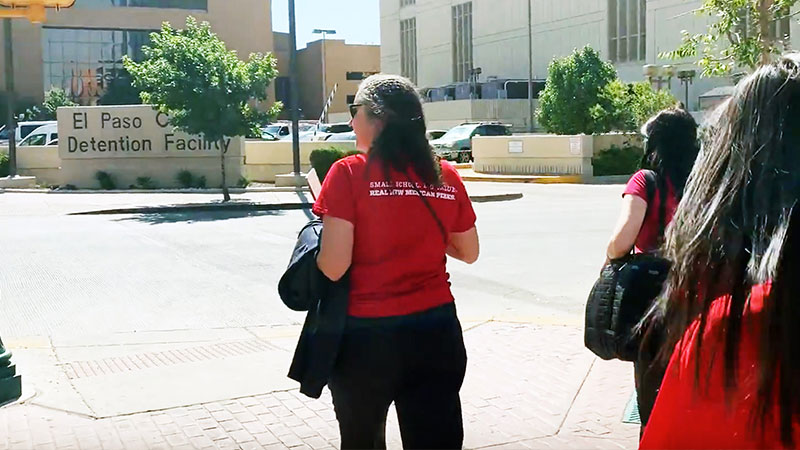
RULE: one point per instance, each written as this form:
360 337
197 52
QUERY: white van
44 135
24 129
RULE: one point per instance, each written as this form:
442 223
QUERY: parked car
275 131
456 144
283 131
435 134
43 135
23 129
324 130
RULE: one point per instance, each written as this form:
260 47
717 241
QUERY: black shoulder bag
622 294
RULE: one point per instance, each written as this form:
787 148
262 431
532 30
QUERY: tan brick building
80 49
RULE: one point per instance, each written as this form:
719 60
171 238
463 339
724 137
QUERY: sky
355 21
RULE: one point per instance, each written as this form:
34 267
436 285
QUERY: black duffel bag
619 299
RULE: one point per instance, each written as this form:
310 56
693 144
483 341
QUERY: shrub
243 182
54 99
145 183
4 165
106 180
185 179
323 158
631 105
572 99
617 161
200 182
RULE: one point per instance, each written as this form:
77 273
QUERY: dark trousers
648 372
416 361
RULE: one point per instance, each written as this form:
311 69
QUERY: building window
408 49
627 30
84 61
355 76
169 4
462 41
351 99
779 29
407 2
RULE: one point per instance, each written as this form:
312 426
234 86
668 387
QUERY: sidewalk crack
575 398
60 364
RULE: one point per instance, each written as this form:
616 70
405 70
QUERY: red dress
703 416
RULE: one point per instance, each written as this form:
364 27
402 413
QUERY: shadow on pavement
196 216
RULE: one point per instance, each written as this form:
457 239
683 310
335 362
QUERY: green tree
630 105
205 88
743 34
54 99
120 91
573 100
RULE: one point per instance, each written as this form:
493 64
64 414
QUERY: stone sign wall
137 141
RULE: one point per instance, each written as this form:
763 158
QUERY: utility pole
294 92
530 68
11 123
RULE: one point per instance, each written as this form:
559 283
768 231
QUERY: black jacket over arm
303 287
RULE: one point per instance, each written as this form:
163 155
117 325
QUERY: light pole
324 33
530 68
686 77
294 92
11 123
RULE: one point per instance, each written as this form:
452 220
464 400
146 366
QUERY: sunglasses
354 109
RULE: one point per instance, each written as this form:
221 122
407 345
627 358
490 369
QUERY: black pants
648 371
416 361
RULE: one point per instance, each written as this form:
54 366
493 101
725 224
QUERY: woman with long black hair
731 306
390 217
649 202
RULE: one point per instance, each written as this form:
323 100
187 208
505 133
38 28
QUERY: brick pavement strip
527 386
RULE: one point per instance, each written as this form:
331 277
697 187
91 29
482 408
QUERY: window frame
462 41
627 31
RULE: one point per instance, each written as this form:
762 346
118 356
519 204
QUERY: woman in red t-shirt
390 217
731 312
670 150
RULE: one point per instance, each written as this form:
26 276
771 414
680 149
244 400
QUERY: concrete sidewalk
528 385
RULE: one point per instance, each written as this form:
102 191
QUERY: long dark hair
671 147
738 225
402 143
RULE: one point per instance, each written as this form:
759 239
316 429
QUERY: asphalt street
63 275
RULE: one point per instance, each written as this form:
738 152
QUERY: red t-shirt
703 417
647 239
398 265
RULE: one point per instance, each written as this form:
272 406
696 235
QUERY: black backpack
622 294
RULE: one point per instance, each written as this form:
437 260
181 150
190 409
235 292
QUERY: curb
197 208
495 198
211 207
568 179
156 191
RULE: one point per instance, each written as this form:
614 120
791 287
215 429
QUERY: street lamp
659 74
474 74
686 77
35 12
324 33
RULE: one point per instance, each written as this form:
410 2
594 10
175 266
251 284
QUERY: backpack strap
651 184
430 209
